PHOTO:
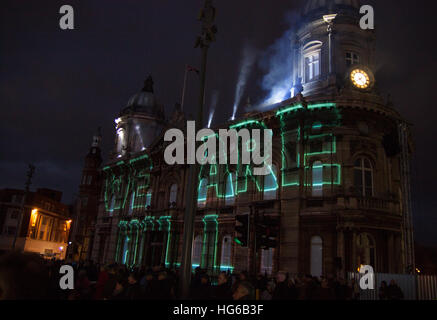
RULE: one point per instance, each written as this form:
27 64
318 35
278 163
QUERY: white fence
414 287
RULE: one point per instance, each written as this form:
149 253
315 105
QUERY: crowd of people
27 276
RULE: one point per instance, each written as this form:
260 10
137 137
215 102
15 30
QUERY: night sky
57 87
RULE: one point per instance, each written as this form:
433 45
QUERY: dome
326 6
145 102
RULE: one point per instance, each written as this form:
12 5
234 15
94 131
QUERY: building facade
45 222
338 185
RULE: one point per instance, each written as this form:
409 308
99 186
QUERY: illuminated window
226 251
316 256
352 58
230 189
148 198
271 184
312 66
125 253
112 206
202 193
317 189
131 203
363 177
173 195
267 261
197 251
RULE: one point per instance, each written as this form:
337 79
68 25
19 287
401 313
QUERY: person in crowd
147 284
203 290
394 292
119 292
383 291
83 286
162 289
244 291
323 291
266 292
110 284
223 289
101 281
23 276
281 291
133 289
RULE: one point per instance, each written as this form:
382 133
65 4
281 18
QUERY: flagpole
185 86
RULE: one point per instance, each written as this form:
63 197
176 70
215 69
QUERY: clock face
360 79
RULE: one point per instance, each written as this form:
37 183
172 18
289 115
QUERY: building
338 190
45 222
86 206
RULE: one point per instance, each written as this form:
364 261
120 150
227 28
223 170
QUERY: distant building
338 190
45 224
85 209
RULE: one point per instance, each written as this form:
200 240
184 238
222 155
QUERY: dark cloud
57 86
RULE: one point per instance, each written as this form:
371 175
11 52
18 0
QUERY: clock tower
331 51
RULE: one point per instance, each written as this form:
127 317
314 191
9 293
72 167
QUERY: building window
197 251
14 215
10 231
89 180
17 198
312 66
131 203
225 260
317 186
230 189
203 192
112 206
363 176
352 58
271 184
173 195
267 261
316 256
148 198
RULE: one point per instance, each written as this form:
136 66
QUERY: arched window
225 260
148 198
173 195
230 188
112 206
317 179
131 203
366 250
271 184
197 251
203 192
267 261
316 256
363 177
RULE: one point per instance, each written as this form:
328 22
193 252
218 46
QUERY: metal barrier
414 287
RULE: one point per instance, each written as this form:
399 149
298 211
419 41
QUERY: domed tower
139 123
329 45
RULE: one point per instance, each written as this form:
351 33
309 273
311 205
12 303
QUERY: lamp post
26 191
207 36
